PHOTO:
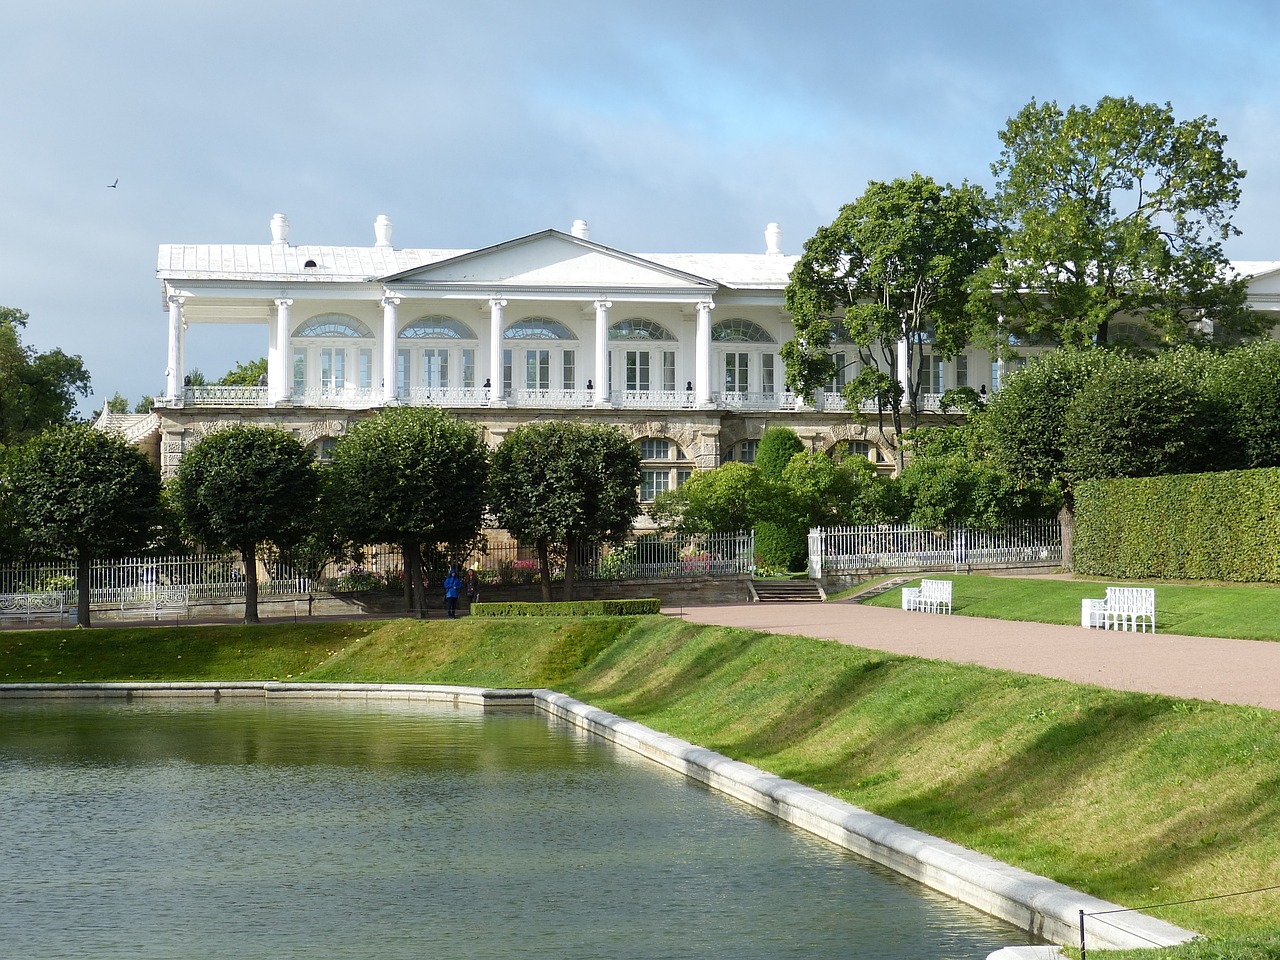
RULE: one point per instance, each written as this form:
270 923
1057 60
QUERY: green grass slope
1137 798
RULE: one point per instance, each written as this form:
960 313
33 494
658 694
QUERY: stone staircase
787 591
879 588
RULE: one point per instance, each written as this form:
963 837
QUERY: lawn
1198 610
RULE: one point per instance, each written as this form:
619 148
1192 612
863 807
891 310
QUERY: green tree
413 476
1116 209
1133 418
561 483
37 390
777 446
246 374
891 275
955 490
827 492
781 528
1023 425
723 500
1242 388
75 492
245 486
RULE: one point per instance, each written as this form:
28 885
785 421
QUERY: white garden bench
30 605
1123 608
932 596
156 600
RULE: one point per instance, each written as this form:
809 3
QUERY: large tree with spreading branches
891 276
1116 210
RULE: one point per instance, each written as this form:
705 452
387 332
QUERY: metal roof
283 262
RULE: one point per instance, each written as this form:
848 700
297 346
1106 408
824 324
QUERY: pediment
552 260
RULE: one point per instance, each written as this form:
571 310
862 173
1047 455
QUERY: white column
390 331
904 371
173 374
601 394
495 349
702 355
278 359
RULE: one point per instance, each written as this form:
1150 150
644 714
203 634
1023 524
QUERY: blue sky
668 126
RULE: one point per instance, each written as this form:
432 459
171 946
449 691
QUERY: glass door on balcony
537 369
333 370
435 369
737 373
637 370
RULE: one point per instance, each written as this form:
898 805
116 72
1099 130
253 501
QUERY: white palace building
679 350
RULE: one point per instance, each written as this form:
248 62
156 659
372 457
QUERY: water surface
267 830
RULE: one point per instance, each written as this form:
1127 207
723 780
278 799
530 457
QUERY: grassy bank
1194 610
1137 798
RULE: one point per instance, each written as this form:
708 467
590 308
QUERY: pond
340 830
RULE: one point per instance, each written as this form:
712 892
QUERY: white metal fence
221 577
660 558
836 549
208 577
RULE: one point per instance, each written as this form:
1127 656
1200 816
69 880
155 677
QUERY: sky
668 126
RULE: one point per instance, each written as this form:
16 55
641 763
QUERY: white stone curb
1043 907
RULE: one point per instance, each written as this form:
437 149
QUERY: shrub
568 608
1206 526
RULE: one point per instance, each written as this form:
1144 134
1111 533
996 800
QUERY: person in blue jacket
452 587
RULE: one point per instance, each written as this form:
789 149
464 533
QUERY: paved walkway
1229 671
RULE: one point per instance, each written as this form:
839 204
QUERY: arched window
742 452
443 358
745 354
739 330
844 449
538 328
333 325
638 328
665 466
326 363
542 359
437 327
645 360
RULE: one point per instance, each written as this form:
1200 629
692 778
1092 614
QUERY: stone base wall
690 592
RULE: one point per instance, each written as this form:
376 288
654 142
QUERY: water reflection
248 829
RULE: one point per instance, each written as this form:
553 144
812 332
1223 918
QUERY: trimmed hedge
1200 526
569 608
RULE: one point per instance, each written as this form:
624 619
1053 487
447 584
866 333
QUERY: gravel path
1243 672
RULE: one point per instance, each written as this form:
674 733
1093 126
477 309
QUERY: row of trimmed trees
415 477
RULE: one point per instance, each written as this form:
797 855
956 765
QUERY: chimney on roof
279 228
580 230
773 240
382 231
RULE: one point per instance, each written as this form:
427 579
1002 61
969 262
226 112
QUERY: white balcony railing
356 398
226 395
652 399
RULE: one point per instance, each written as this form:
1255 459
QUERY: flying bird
117 183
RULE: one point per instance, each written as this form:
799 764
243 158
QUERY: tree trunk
570 561
544 569
84 563
414 587
1067 524
249 554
